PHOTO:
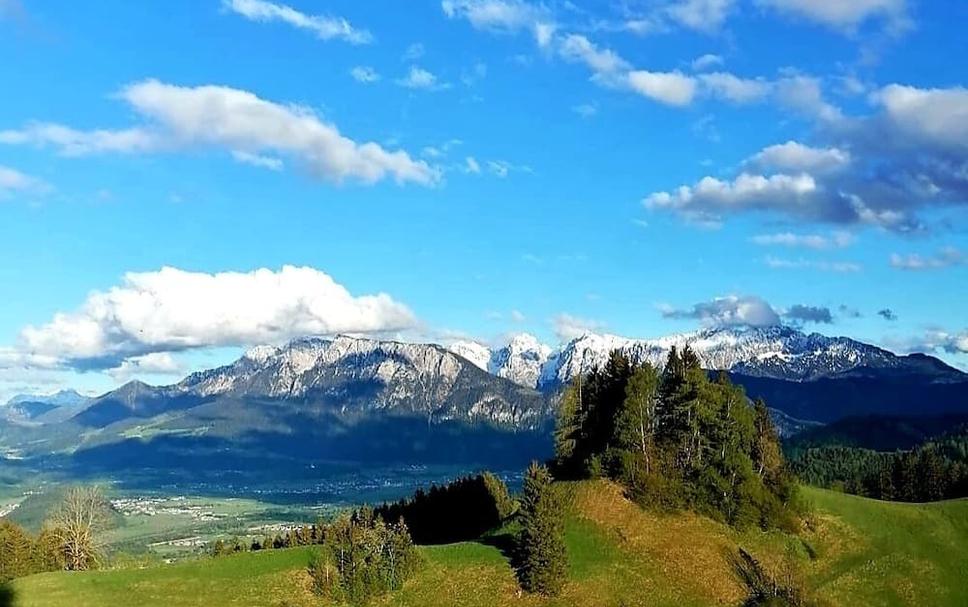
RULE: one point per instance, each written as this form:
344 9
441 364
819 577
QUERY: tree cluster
458 511
68 540
24 554
676 439
933 471
361 557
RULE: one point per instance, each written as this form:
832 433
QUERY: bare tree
78 524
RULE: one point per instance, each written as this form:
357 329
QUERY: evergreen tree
542 557
638 418
568 427
16 552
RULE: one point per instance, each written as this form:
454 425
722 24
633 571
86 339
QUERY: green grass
864 553
891 553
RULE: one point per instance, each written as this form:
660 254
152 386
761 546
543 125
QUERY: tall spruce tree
542 557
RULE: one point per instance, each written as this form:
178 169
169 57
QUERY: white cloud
155 363
72 142
471 165
494 15
841 14
778 263
578 48
935 116
568 327
937 339
364 74
732 310
240 121
257 160
881 169
172 309
517 316
836 240
703 63
324 27
945 258
732 88
701 15
671 88
804 94
13 181
419 78
795 156
747 192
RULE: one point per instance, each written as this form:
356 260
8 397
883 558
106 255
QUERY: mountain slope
856 552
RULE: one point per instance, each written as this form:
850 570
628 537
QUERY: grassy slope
866 552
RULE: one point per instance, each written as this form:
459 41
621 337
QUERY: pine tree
543 561
568 427
638 418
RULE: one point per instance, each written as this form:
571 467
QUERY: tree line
936 470
676 439
69 540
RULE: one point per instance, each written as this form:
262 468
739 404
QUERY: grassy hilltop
855 552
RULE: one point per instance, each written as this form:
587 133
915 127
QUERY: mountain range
351 398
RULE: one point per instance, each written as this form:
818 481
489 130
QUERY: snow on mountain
775 352
363 374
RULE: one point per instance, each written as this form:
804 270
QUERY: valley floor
855 552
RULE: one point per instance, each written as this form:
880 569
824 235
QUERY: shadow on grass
7 596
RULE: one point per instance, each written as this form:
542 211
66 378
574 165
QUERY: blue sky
182 180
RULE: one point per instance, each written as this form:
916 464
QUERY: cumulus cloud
800 314
941 340
711 197
881 169
794 156
218 116
732 310
171 310
936 117
13 181
804 95
155 363
324 27
835 240
568 327
732 88
671 88
945 258
840 14
364 74
887 314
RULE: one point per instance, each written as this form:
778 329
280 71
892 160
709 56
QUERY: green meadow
852 551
